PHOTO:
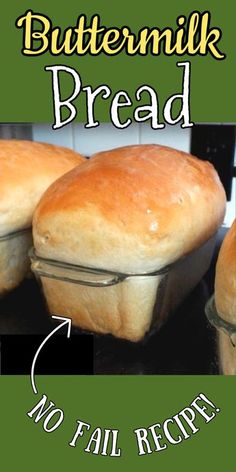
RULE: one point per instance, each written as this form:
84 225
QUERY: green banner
134 407
120 62
123 46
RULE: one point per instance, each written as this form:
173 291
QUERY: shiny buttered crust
26 170
225 281
131 209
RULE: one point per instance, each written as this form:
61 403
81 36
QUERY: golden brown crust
227 354
225 281
132 209
26 170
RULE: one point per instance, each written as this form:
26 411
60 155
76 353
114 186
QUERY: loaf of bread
26 171
225 279
134 210
225 299
14 260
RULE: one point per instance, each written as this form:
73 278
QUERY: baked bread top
27 169
132 209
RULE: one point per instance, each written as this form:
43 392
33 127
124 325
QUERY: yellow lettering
110 37
30 34
92 31
192 30
64 46
192 36
206 42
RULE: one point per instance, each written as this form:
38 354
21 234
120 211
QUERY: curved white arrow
66 321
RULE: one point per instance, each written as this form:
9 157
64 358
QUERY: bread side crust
14 261
225 280
227 355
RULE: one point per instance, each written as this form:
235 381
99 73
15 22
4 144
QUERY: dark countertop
184 345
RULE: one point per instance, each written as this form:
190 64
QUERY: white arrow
66 321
